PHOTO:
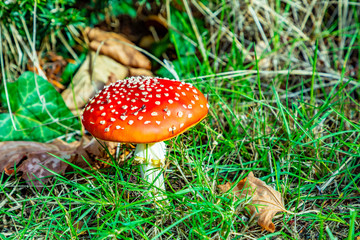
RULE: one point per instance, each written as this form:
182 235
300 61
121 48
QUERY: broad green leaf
39 112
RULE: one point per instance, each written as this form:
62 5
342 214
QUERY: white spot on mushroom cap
103 114
123 117
102 122
140 117
101 108
180 114
154 114
130 122
147 122
157 103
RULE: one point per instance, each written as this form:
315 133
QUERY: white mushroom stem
151 156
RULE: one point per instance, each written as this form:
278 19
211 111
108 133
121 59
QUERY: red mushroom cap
144 110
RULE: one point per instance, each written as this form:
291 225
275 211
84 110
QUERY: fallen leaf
265 202
36 163
86 85
78 226
53 65
93 151
33 159
133 72
117 47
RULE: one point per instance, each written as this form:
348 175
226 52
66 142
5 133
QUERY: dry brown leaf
118 51
94 150
53 66
265 202
33 159
133 72
83 88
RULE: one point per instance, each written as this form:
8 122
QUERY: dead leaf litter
264 201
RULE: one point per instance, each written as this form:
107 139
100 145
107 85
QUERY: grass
288 111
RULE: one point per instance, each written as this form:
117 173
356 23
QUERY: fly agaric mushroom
145 111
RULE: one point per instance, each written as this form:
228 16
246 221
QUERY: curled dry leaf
33 159
94 150
53 65
114 47
133 72
265 202
88 80
37 161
